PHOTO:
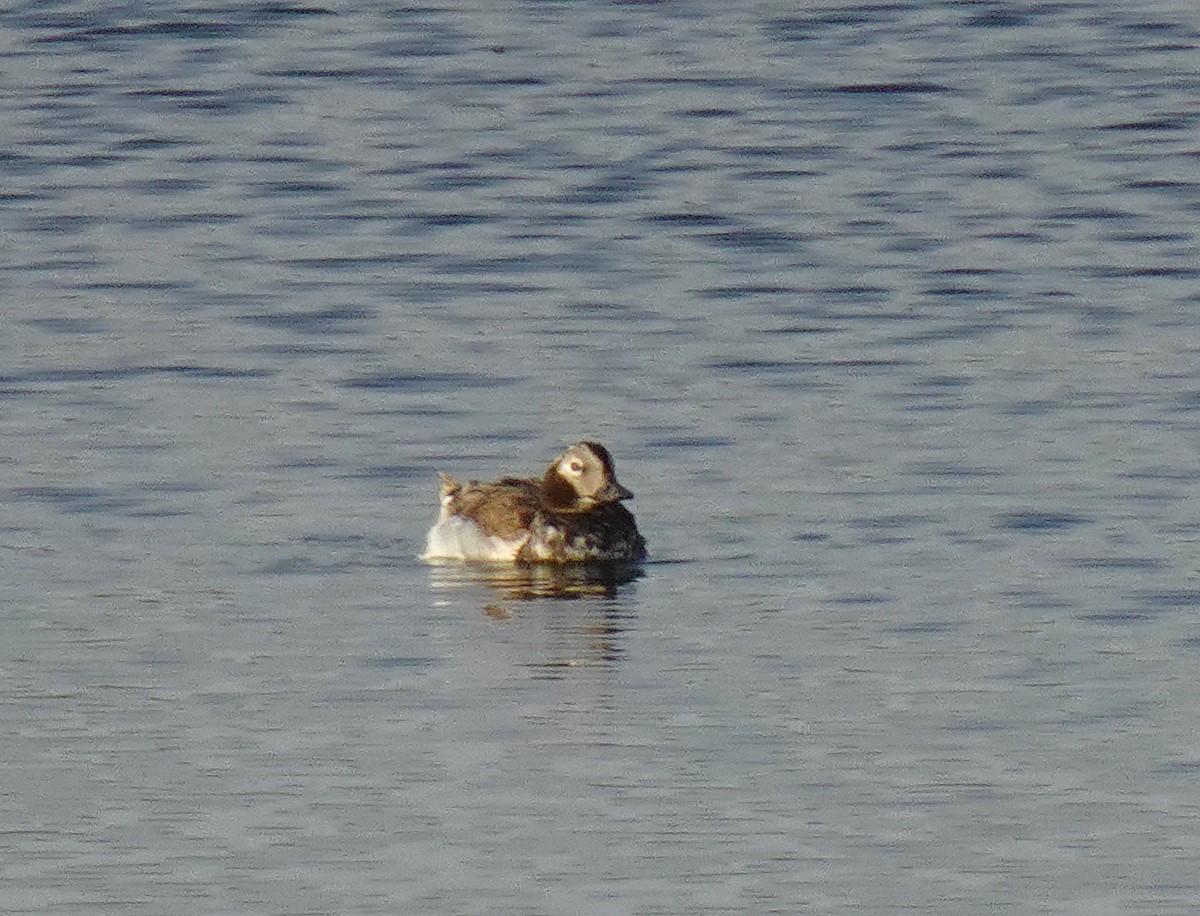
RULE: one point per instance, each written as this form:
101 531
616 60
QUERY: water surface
886 312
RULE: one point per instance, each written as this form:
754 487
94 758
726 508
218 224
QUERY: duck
571 514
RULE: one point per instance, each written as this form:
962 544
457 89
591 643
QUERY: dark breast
605 533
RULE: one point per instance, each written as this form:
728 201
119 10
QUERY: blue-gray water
888 312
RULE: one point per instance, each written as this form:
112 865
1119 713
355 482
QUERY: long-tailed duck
572 514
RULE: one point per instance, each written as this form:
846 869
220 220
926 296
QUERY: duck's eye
575 467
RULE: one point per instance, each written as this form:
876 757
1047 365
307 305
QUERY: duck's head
582 478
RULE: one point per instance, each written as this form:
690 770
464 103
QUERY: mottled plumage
571 514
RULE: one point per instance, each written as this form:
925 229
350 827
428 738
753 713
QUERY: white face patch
571 467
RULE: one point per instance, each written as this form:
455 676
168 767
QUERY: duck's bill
614 492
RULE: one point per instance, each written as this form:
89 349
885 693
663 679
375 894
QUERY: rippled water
887 313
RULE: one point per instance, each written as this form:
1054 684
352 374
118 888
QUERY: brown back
504 508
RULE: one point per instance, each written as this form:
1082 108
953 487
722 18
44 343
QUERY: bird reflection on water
524 582
587 634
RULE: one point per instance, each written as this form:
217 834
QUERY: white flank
455 538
